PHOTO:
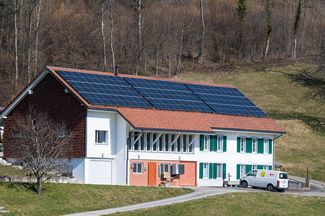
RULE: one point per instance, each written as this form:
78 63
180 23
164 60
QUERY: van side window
252 173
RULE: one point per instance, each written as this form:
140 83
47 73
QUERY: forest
152 37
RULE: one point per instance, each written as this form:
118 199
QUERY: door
152 173
100 172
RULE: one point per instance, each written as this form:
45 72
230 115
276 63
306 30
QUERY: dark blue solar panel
226 100
168 95
104 90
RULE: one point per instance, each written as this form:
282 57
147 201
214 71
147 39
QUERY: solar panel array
100 89
168 95
226 100
104 90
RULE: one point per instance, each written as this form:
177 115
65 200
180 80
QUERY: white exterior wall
116 151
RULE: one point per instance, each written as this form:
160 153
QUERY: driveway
317 189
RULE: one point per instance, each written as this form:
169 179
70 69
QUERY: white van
268 179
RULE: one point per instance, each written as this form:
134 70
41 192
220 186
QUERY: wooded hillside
155 37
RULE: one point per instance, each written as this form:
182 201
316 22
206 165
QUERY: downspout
273 150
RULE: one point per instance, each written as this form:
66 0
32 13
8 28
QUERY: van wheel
244 184
270 187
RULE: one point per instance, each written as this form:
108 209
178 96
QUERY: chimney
116 70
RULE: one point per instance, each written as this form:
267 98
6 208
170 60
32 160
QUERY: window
220 143
154 145
205 170
178 144
283 176
142 142
265 167
242 144
252 173
242 170
167 141
184 139
206 143
137 168
219 170
101 137
149 141
172 147
136 144
160 142
254 167
266 146
190 146
254 145
164 168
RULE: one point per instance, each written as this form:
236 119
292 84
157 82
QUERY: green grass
241 204
10 171
59 199
275 91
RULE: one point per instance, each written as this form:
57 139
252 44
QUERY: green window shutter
210 170
201 171
270 146
215 142
214 176
260 167
211 143
224 171
238 171
248 168
238 144
201 142
260 146
224 143
270 167
249 145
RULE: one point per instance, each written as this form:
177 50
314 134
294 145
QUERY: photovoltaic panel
100 89
226 100
168 95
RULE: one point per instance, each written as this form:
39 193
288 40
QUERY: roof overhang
234 130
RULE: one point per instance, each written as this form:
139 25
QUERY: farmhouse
132 130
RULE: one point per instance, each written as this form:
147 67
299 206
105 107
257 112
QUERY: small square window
101 137
137 168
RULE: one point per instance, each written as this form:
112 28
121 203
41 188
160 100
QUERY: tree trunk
157 63
39 185
296 27
29 49
102 28
111 33
268 10
180 46
139 7
201 48
38 19
16 43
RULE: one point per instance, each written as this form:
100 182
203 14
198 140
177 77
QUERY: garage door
100 172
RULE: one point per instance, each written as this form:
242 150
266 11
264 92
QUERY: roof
195 121
158 119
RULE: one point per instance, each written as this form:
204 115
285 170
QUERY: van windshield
283 176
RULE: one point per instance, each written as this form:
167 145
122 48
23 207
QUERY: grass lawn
10 171
241 204
274 90
61 199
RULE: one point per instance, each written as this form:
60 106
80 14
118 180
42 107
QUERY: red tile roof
154 119
194 121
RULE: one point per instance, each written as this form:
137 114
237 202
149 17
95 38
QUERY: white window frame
162 168
97 137
219 171
265 167
266 146
254 145
220 144
205 170
242 144
135 164
206 143
242 170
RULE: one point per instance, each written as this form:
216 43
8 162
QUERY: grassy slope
274 91
242 204
60 199
10 171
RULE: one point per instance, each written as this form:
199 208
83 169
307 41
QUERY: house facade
130 130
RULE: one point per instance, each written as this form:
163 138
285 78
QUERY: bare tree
179 56
102 30
268 11
16 42
111 34
296 26
41 144
202 37
242 11
139 7
38 19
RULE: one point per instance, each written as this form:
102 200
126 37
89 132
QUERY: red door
152 173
